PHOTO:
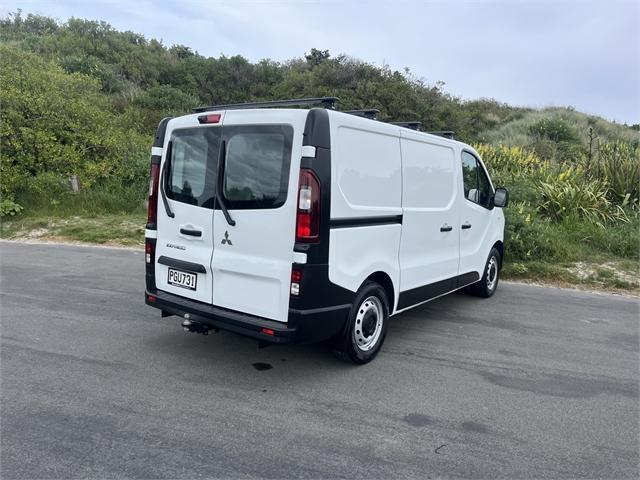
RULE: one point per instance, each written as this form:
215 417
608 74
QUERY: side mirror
501 197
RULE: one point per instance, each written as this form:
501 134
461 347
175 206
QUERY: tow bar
196 327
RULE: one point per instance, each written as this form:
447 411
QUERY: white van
289 224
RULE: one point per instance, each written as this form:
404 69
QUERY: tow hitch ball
195 327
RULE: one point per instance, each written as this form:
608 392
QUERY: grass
106 229
615 275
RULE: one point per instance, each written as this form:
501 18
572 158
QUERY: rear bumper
302 326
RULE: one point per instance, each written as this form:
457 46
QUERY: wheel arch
500 247
384 280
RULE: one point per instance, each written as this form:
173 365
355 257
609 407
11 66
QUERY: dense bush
54 125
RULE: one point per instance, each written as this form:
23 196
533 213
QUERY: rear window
192 169
256 170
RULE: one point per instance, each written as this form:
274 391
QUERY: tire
488 284
366 326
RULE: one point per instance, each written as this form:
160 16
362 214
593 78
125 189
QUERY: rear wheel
488 284
366 327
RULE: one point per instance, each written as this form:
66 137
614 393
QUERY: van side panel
366 211
429 250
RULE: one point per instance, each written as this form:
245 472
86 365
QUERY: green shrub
568 195
527 236
618 164
9 208
554 129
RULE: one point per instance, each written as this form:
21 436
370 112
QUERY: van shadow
231 358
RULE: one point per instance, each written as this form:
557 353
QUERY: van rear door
252 260
185 210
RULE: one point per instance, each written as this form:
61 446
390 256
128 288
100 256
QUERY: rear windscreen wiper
220 200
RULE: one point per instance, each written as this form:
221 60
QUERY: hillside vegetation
80 102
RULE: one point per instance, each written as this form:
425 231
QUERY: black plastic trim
326 102
467 279
310 325
162 183
181 264
316 290
150 268
158 141
223 318
317 134
161 131
193 233
365 221
417 295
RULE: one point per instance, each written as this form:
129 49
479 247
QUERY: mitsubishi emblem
226 238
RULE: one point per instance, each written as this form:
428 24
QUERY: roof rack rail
326 102
411 125
443 133
371 113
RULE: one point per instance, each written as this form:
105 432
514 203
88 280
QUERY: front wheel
488 284
366 327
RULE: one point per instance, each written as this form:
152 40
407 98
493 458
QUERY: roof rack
443 133
411 125
371 113
326 102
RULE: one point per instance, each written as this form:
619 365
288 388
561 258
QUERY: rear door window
193 165
256 170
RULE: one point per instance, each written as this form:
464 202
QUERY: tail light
308 217
152 209
210 118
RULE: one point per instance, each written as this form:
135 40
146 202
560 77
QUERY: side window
484 187
477 188
470 177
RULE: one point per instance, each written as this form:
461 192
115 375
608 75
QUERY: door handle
466 226
446 228
191 232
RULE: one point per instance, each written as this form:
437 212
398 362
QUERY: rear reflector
296 276
151 298
267 331
210 118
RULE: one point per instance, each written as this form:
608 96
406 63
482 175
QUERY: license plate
181 279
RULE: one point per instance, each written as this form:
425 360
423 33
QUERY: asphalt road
534 382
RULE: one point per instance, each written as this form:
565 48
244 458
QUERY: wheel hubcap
368 324
492 273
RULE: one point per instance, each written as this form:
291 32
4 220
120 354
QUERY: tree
316 57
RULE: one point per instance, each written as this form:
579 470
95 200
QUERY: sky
579 53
